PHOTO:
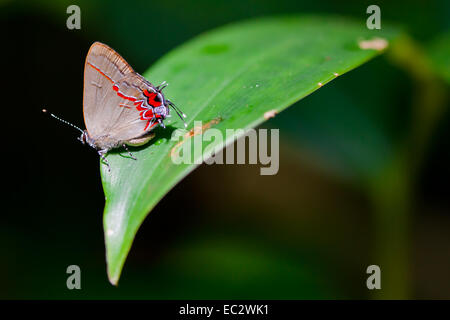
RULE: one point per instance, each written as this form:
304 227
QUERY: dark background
308 232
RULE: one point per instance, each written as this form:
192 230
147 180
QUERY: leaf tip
114 280
113 275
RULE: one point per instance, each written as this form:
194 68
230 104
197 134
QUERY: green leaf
228 79
439 53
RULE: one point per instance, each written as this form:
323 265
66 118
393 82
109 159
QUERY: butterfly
120 107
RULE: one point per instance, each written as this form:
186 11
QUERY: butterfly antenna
178 111
162 86
63 121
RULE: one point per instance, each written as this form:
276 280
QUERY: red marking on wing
120 94
151 98
148 122
146 113
100 72
124 106
139 106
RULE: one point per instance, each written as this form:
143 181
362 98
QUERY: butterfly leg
102 153
131 155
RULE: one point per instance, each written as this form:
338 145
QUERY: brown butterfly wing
109 116
130 125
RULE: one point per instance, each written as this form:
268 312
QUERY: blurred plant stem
392 190
391 198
